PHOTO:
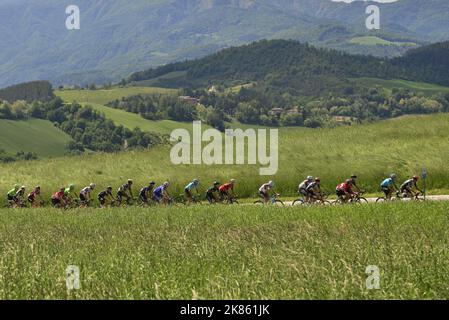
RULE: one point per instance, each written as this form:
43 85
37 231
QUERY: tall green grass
242 252
372 151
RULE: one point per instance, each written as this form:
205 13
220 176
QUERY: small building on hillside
190 99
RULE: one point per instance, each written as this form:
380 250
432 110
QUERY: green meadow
237 252
372 151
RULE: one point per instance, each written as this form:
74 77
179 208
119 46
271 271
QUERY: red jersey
346 187
58 195
226 187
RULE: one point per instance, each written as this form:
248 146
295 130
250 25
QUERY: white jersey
86 191
264 188
303 185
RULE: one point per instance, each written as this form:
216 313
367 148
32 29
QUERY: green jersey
12 193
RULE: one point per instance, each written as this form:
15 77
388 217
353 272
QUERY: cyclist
344 191
69 193
188 189
59 199
408 186
161 193
264 191
354 182
145 191
11 194
19 196
314 189
388 186
105 197
125 191
302 188
211 193
85 194
227 190
34 196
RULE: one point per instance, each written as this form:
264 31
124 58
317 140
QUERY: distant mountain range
118 37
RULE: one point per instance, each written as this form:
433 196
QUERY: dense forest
30 91
299 69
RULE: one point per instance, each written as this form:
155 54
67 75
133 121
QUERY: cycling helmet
318 179
232 180
271 184
196 181
62 189
72 187
309 178
152 183
166 184
353 176
393 176
37 188
22 188
216 183
16 186
349 181
130 181
416 178
92 186
109 188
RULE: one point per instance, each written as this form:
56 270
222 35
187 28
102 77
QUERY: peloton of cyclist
408 186
146 191
302 188
211 193
388 186
161 193
34 198
227 190
105 197
264 191
188 189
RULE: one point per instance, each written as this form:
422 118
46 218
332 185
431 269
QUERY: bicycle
229 200
356 198
400 197
320 199
273 200
181 199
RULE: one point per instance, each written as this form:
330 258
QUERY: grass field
230 253
374 41
372 151
105 96
34 135
132 120
426 88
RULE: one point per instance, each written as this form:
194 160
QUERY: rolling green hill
374 41
101 96
426 88
38 136
373 151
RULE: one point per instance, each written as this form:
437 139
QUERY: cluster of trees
30 91
21 155
90 129
273 107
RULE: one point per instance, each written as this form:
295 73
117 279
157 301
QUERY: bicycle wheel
326 203
381 200
298 202
279 203
361 200
258 202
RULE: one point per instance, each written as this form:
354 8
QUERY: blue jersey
387 183
191 186
158 191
